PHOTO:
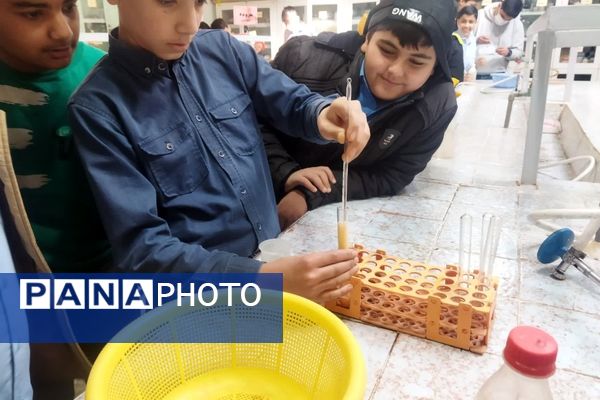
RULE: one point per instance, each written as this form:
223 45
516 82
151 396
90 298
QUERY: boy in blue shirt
167 128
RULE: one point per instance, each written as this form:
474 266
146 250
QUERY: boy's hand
483 40
345 122
503 51
315 178
291 208
320 277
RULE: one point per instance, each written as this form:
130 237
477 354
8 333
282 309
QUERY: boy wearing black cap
401 78
500 36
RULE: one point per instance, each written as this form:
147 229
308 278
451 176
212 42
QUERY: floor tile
417 207
401 228
566 385
430 190
410 251
376 345
506 317
487 196
421 369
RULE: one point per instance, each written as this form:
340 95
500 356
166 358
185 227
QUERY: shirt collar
368 102
467 39
136 59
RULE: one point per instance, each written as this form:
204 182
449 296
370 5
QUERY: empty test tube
496 229
491 226
486 220
465 240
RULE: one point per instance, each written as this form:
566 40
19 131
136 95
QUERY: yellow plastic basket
318 359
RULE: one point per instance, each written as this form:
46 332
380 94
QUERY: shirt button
259 226
170 146
234 111
162 66
243 191
147 70
221 154
198 118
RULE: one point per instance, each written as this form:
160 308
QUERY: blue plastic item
507 84
555 245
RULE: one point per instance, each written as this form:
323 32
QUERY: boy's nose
188 21
60 28
396 70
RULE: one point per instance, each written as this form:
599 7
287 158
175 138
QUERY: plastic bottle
529 360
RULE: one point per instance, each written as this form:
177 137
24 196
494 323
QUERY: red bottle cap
531 351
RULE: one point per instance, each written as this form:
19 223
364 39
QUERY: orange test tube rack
428 301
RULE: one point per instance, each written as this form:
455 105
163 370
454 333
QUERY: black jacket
456 59
404 136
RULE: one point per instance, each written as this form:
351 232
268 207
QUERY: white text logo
136 294
410 14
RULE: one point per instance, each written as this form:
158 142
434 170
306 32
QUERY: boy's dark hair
410 35
467 10
512 8
219 23
286 10
204 25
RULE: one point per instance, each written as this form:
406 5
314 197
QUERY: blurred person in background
466 20
220 23
500 36
293 24
463 3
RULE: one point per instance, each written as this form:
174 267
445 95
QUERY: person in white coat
500 36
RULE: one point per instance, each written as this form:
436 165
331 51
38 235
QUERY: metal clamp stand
559 27
559 245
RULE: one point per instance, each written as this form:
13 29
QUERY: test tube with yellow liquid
342 218
342 229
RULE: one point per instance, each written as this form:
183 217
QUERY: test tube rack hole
437 303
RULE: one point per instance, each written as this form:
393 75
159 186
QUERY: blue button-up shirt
174 154
368 102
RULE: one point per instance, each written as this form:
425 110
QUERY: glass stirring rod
342 222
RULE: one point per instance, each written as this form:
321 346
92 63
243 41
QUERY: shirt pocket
237 123
175 161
